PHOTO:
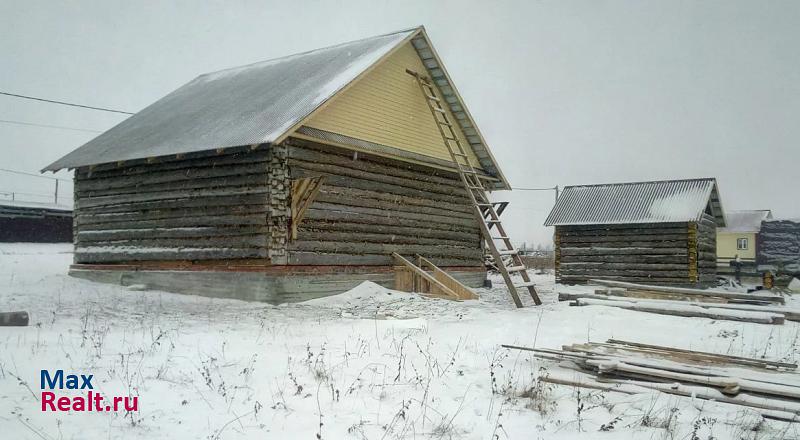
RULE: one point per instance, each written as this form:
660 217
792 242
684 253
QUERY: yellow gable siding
387 107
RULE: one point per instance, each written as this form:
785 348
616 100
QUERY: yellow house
740 236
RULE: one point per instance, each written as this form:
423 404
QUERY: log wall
368 208
779 247
211 207
658 253
706 251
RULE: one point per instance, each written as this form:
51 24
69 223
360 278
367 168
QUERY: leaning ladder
486 213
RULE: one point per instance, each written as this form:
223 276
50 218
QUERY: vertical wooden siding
207 208
387 107
368 208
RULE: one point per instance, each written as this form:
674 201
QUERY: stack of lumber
713 304
770 388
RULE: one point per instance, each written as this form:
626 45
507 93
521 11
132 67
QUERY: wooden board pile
713 304
769 388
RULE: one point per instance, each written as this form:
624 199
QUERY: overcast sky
565 92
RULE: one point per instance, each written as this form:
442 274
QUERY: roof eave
503 183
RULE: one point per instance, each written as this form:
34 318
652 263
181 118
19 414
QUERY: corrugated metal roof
261 103
637 202
246 105
745 221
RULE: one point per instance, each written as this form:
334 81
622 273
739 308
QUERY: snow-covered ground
370 363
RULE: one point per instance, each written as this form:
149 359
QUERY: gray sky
565 92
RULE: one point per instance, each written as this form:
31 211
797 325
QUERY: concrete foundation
274 284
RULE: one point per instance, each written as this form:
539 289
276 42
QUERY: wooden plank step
525 285
516 268
507 252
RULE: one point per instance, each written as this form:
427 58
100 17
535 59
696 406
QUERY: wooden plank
705 354
304 192
461 291
685 291
687 311
435 286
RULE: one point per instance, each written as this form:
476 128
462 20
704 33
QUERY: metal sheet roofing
246 105
745 221
637 202
262 103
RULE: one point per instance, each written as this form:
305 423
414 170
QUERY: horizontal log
355 193
92 236
194 202
221 220
623 266
304 155
385 248
567 271
623 251
367 237
311 225
330 169
129 183
351 182
143 241
643 259
184 185
469 223
199 214
202 159
354 217
611 227
572 279
81 202
629 244
327 196
623 238
106 255
316 258
675 230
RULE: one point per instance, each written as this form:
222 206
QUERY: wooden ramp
428 279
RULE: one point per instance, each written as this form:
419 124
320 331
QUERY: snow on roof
246 105
745 221
637 202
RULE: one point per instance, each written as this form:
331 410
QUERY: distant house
740 237
28 222
660 232
285 179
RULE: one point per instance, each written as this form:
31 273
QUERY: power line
34 175
552 188
61 127
71 104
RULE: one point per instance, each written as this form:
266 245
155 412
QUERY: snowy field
368 364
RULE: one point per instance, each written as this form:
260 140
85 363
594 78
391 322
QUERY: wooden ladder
485 210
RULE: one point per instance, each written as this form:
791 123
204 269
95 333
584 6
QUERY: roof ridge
696 179
307 52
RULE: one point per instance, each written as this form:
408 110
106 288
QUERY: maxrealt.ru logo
91 401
